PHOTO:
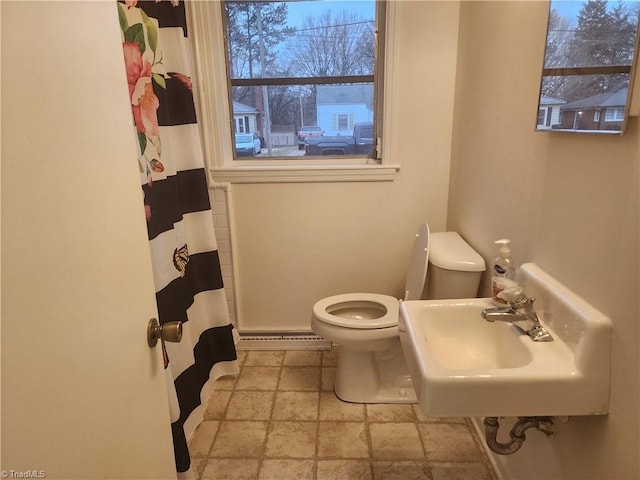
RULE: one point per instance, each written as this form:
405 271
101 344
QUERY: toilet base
374 377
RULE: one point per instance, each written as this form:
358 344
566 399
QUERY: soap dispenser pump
503 272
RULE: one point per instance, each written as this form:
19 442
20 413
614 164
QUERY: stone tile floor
279 419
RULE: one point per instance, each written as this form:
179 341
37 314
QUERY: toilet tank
454 267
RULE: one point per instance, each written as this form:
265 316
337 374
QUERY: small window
297 65
542 115
589 57
343 122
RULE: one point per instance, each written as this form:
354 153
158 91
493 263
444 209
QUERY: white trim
205 20
296 174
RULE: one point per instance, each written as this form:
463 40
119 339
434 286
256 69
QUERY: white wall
569 202
297 243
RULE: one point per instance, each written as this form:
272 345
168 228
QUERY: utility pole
265 95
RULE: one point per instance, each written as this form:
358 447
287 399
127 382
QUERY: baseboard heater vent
282 341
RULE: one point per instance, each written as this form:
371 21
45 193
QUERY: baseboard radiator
282 341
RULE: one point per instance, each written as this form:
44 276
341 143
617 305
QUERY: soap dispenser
504 272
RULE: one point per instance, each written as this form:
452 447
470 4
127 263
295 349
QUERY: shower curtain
184 252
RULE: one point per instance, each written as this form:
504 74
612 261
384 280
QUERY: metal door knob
169 332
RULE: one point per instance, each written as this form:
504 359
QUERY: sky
298 11
570 8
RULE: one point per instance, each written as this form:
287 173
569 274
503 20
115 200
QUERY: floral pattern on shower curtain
184 254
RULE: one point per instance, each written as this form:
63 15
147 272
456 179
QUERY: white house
340 106
245 118
549 112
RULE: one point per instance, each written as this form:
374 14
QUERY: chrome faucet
520 313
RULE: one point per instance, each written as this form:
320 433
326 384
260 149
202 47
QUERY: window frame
212 97
592 69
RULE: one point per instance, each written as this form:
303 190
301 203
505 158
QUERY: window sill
306 174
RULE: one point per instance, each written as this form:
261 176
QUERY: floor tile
277 469
342 440
391 441
198 465
241 356
203 437
296 406
240 439
300 379
448 442
402 412
250 405
291 439
401 470
258 378
332 408
460 471
231 469
303 358
227 382
217 405
264 358
328 378
344 470
279 418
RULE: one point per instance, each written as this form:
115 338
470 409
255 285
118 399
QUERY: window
589 57
301 64
542 115
343 122
614 115
280 60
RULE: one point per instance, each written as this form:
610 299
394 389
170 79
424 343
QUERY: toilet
371 365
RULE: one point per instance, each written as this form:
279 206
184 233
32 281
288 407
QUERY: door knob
169 332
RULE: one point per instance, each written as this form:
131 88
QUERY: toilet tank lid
448 250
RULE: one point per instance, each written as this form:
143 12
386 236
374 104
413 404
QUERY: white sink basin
462 365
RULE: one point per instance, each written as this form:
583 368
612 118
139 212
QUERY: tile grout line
263 455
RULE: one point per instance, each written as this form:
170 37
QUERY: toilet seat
358 310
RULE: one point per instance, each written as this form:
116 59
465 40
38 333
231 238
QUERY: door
83 396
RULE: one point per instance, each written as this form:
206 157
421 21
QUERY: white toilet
371 366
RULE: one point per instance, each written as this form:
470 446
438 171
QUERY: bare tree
602 37
559 36
333 45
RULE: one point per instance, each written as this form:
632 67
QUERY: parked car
360 143
308 131
248 144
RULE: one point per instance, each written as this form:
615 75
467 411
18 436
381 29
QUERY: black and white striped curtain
184 252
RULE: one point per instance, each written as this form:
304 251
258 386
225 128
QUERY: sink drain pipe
491 426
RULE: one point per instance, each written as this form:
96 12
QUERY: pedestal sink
462 365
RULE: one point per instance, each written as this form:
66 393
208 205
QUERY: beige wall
297 243
568 201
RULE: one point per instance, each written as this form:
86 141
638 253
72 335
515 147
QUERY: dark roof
346 94
607 99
